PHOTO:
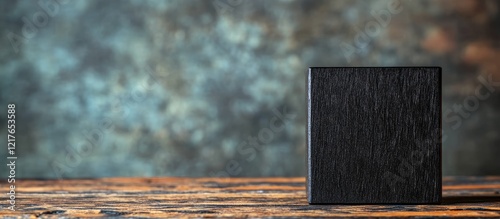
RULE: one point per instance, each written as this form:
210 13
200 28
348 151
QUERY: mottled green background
216 87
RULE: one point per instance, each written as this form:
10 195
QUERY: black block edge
308 136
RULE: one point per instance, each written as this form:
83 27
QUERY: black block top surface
374 135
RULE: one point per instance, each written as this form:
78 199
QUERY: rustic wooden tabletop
228 197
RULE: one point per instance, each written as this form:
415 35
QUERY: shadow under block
374 135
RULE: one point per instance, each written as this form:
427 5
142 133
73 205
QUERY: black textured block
374 135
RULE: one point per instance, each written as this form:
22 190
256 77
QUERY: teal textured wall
216 88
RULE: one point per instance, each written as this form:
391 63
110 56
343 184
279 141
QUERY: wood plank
228 197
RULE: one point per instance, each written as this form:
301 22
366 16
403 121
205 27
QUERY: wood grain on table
228 197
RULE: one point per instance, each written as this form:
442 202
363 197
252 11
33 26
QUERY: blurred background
217 87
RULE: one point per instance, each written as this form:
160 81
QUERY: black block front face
374 135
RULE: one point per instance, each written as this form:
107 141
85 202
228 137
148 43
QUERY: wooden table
227 197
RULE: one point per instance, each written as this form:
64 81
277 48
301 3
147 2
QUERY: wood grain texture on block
374 135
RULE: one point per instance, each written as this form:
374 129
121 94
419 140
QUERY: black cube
374 135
